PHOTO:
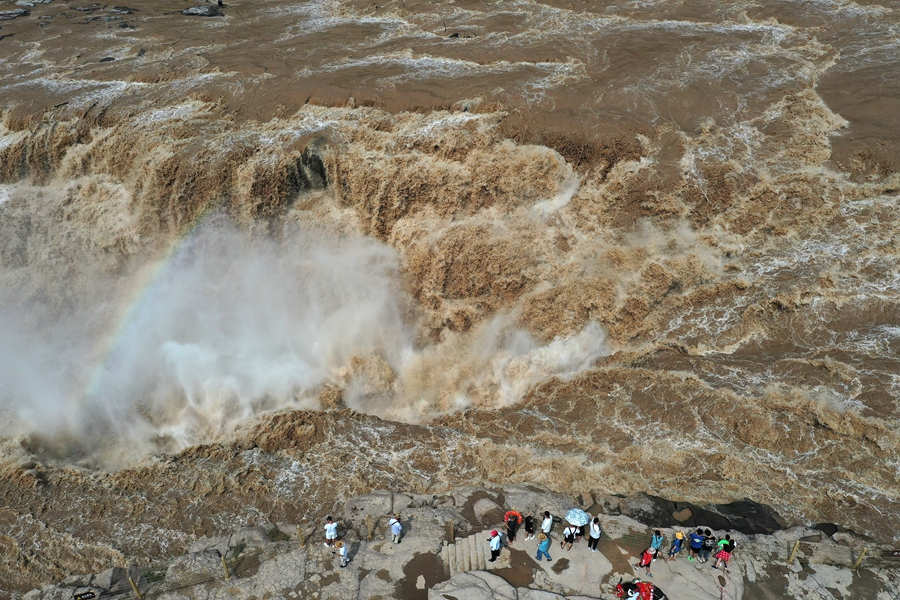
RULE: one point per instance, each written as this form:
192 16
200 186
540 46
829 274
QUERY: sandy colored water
605 247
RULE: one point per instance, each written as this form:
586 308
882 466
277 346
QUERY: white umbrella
578 517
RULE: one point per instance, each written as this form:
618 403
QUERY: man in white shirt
547 523
330 531
342 551
396 528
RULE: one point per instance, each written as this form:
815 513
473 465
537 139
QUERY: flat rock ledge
443 556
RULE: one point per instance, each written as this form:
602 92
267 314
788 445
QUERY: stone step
482 561
451 559
445 559
467 553
451 553
473 542
471 553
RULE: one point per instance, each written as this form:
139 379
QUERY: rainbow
144 282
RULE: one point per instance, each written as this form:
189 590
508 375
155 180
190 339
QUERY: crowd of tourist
701 543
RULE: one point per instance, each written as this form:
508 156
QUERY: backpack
709 542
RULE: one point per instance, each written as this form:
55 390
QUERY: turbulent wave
176 341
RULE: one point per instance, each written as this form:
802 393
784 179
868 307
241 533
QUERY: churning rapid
608 247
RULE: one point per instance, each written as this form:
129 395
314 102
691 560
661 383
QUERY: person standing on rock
513 519
529 526
496 542
396 529
696 541
569 534
342 551
726 547
709 544
594 534
646 560
543 546
330 531
656 542
547 523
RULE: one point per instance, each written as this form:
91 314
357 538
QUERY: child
396 528
676 545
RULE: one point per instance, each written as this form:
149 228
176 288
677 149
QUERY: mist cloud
226 327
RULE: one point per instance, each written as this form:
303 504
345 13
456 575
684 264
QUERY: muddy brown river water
606 247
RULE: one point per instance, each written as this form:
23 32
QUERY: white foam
522 363
562 199
6 192
451 120
274 324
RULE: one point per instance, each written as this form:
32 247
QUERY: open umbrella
578 517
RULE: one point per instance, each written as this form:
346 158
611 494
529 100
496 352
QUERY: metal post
134 587
225 568
368 528
860 558
300 536
794 551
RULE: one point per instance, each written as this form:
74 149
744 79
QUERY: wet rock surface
286 560
218 492
745 516
202 10
9 15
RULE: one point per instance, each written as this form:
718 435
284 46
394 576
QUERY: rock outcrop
441 557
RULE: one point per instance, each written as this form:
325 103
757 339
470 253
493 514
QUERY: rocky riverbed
441 556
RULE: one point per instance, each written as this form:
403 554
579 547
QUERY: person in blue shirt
656 541
543 546
676 545
496 543
696 540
